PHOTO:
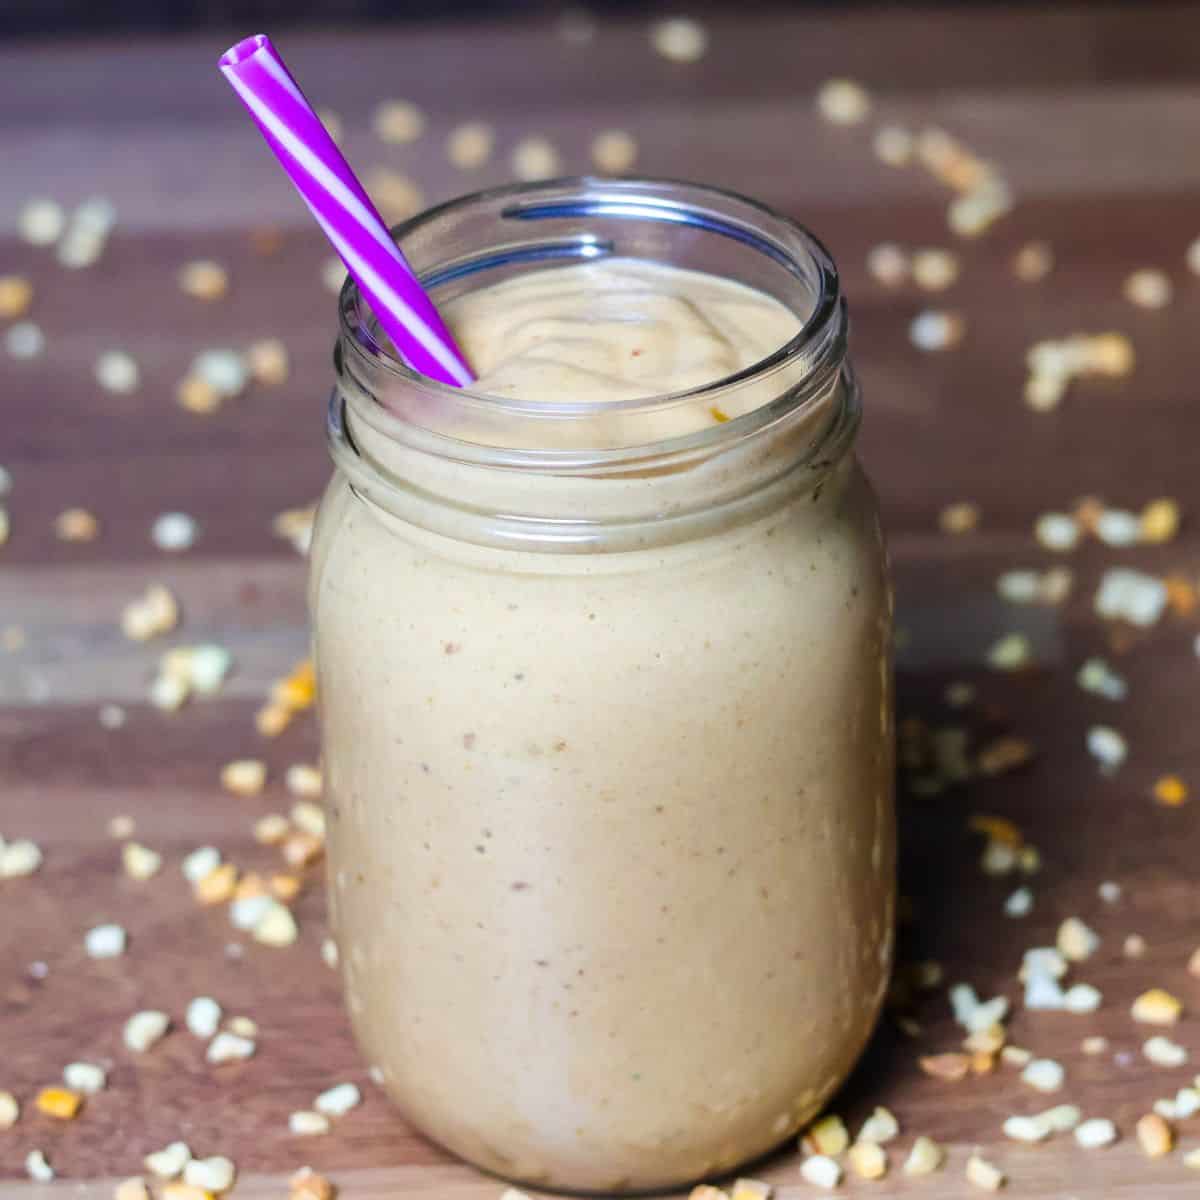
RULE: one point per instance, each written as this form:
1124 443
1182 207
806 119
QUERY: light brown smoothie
611 832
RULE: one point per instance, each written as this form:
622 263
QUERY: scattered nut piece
1044 1075
303 779
984 1174
58 1102
144 1029
1148 288
244 776
37 1167
203 1017
1107 746
306 1184
935 330
1159 521
41 222
1163 1052
84 1077
868 1160
1096 1132
1057 531
229 1047
881 1126
140 862
925 1157
534 158
16 294
888 264
155 612
214 1175
203 279
308 1124
398 122
200 863
218 886
1026 1129
950 1066
1011 653
243 1026
329 953
277 926
105 941
132 1189
197 395
398 196
174 531
469 145
1154 1135
10 1110
960 517
843 102
1062 1118
614 151
339 1100
821 1171
223 370
934 269
1082 998
19 858
750 1189
1134 946
1033 262
301 848
169 1162
679 39
1156 1007
271 829
24 340
1019 904
309 818
1170 791
76 525
1075 941
828 1135
893 145
267 361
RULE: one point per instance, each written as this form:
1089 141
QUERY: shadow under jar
606 707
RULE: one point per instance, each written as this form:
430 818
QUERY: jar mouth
641 198
503 231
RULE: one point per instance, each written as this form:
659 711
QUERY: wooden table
1091 111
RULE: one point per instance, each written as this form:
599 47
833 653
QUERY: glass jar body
611 836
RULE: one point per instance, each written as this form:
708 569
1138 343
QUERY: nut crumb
984 1174
1154 1135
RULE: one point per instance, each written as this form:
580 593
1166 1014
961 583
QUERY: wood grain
1091 112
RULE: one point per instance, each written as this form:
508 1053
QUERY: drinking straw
343 209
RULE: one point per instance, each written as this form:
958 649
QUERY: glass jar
606 706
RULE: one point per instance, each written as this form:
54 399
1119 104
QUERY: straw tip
245 49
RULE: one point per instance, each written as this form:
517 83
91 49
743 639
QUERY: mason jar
606 705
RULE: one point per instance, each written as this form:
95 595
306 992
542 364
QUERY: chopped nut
41 222
329 953
1163 1052
1044 1074
989 1040
962 517
469 145
1156 1007
297 690
250 885
925 1157
271 829
750 1189
935 330
16 294
58 1102
1011 653
868 1160
306 1184
139 862
1004 754
397 195
1027 1129
185 1191
1107 746
826 1136
169 1162
308 1124
197 395
214 1174
19 858
1170 791
1015 1056
881 1127
37 1167
84 1077
702 1191
24 340
1135 946
1191 1159
217 887
132 1189
285 887
200 863
679 39
1159 521
267 361
338 1101
893 145
244 777
1094 1133
934 270
173 532
276 927
843 102
10 1110
1094 1045
300 849
144 1029
821 1171
1154 1135
1062 1118
1057 531
1082 998
535 158
203 279
245 1027
983 1174
309 818
154 613
303 779
1148 288
950 1066
888 264
1033 262
614 151
203 1017
229 1047
1075 941
398 122
105 941
1019 904
76 525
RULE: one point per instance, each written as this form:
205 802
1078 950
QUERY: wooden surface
1092 112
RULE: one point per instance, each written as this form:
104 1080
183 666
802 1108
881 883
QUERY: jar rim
819 342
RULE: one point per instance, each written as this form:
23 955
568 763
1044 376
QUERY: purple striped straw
351 222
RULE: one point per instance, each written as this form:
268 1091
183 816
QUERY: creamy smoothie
611 831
